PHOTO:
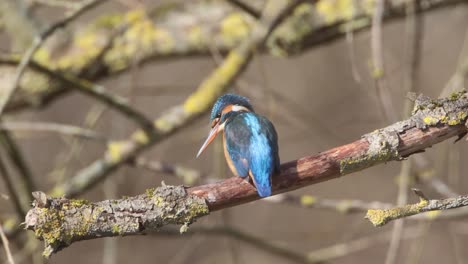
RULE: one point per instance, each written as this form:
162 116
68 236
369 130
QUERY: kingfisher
250 141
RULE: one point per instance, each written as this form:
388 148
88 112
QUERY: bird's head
225 107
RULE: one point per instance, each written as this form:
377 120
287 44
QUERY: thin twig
6 246
96 91
378 70
379 217
22 182
16 200
245 7
63 129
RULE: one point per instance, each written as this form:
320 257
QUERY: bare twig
344 206
94 90
378 71
22 182
6 246
51 127
11 189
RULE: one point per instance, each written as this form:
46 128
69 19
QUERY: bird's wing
253 138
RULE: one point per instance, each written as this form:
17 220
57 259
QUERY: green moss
357 163
195 211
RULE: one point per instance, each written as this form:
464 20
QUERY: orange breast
228 158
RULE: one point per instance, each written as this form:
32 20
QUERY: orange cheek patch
227 109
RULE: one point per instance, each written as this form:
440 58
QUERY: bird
250 141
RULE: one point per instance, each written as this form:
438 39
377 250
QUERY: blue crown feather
229 99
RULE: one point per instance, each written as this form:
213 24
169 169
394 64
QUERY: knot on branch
61 221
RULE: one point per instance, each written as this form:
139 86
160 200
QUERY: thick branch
59 221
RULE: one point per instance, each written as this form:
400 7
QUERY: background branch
379 217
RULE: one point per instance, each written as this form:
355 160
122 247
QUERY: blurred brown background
315 101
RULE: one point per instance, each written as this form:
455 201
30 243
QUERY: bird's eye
214 122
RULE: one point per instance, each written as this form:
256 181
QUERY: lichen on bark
384 143
60 221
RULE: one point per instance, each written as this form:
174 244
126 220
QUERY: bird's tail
262 183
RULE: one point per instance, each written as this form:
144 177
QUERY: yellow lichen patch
116 229
308 200
79 202
430 120
377 72
211 88
196 37
376 216
234 28
150 192
115 150
136 15
163 39
141 137
86 46
433 214
379 217
42 56
461 116
108 21
335 10
368 6
159 201
163 125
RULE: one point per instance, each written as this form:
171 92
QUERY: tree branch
37 43
306 28
380 217
60 222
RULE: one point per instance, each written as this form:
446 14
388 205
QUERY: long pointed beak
213 132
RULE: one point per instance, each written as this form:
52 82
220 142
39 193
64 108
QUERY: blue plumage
250 141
